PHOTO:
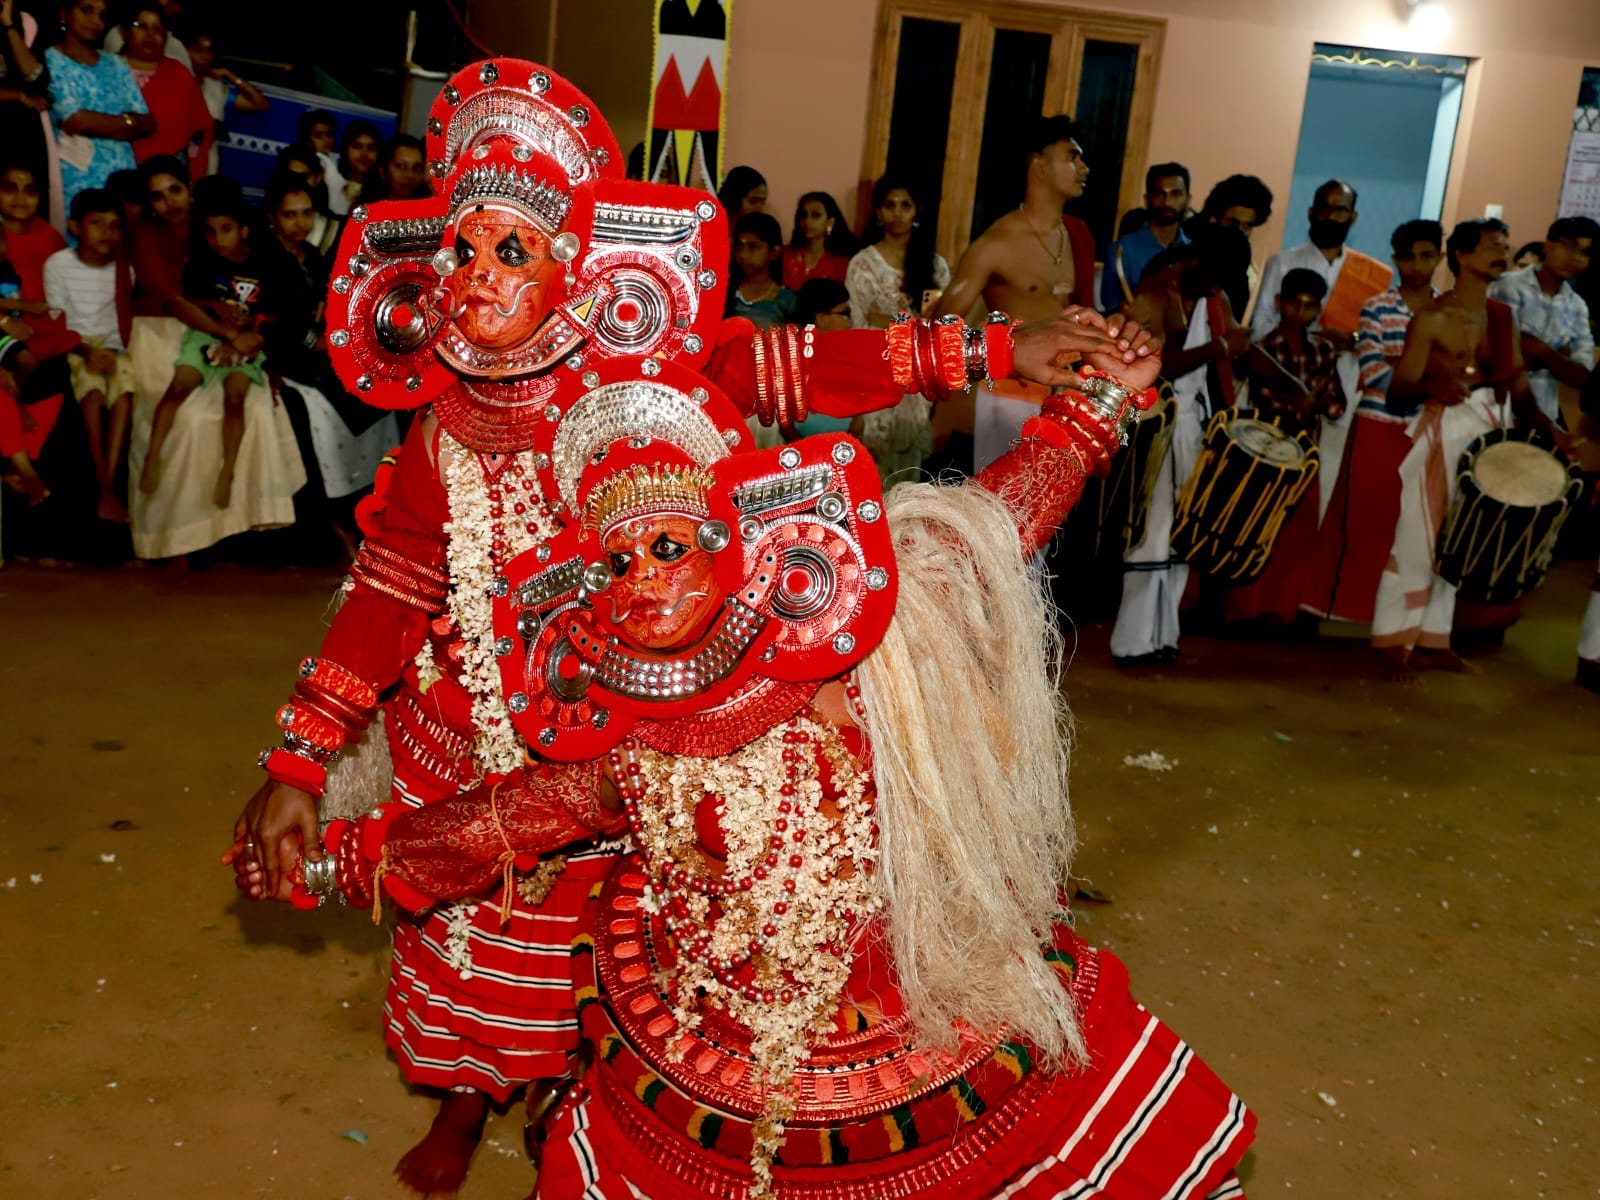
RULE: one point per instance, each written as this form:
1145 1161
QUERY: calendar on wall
1580 186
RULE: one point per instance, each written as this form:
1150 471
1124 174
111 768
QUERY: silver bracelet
321 879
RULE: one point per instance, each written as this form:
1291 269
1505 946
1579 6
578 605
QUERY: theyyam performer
728 795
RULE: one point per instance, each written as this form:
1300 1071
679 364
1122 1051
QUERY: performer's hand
277 821
1134 356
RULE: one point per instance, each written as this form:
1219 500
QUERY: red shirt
829 266
27 251
174 99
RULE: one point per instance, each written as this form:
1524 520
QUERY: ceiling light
1430 22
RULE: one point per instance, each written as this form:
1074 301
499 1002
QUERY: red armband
295 771
999 346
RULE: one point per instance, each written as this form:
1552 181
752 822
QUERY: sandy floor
1372 909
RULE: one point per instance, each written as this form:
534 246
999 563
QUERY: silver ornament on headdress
630 409
547 205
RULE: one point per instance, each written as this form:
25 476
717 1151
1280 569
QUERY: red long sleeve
376 633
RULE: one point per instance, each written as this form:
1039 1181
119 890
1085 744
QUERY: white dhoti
346 461
1589 638
1415 607
1152 583
999 413
180 517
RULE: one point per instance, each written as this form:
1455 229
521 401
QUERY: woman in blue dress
94 101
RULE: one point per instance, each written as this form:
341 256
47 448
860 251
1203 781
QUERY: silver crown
547 204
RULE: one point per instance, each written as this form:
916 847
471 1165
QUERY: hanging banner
688 94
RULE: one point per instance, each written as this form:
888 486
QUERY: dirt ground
1372 909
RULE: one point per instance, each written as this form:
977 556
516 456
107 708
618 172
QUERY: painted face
19 195
664 592
505 282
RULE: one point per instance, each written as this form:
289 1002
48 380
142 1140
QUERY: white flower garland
472 532
458 937
804 962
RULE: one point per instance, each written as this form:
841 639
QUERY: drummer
1294 382
1462 360
1183 293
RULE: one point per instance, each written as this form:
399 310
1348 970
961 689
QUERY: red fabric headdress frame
797 535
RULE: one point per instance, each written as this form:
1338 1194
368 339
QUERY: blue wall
1374 128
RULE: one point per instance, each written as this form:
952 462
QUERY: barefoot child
83 283
223 286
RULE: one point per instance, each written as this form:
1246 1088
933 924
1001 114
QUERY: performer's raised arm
1078 429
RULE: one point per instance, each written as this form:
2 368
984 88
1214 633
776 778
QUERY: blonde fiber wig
970 740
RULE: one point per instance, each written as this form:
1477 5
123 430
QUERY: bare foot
34 489
110 509
438 1163
1447 660
1394 666
223 495
150 477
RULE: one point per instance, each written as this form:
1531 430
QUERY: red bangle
950 350
341 681
297 772
901 353
999 349
311 725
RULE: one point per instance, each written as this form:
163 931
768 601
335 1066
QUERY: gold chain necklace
1060 252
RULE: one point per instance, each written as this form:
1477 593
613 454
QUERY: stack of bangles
1093 420
330 706
946 356
780 375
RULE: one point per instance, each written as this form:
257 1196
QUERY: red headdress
642 260
800 549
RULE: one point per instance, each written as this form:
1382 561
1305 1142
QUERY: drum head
1266 442
1520 474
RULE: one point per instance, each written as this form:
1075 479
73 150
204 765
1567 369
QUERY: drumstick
1298 382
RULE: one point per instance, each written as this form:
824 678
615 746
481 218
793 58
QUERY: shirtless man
1461 355
1030 263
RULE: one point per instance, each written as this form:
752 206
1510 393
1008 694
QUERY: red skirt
1357 532
1144 1119
473 1003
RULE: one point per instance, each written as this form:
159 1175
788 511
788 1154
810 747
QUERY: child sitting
86 284
223 285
